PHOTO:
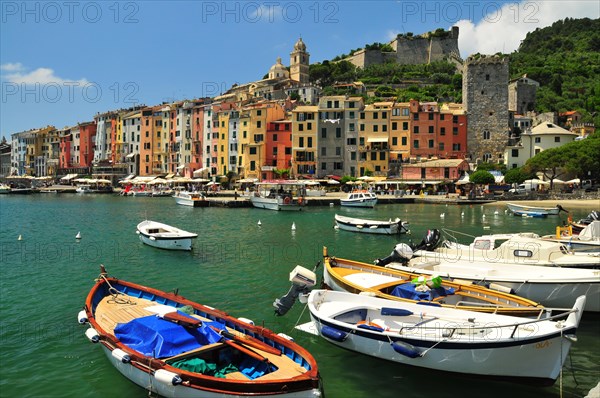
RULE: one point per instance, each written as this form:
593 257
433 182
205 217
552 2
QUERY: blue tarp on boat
407 291
160 338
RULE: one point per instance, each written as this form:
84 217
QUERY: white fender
82 317
92 335
166 377
246 320
121 355
285 336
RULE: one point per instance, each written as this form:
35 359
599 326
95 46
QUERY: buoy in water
78 236
259 223
20 237
442 215
293 226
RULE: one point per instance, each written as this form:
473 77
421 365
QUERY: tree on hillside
482 177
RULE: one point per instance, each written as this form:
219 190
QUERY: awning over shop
377 139
130 155
68 177
199 172
170 175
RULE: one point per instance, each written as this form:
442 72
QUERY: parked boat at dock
361 198
192 199
283 195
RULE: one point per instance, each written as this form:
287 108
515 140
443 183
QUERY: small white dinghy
164 236
446 339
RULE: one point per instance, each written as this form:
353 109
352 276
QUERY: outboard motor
401 254
302 281
430 242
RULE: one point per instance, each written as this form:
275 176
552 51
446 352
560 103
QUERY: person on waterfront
235 194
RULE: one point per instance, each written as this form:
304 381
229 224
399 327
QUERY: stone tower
522 95
485 99
299 62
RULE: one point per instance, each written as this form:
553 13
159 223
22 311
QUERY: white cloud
38 76
12 67
502 29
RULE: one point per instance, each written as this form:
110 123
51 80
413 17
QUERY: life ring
287 200
300 200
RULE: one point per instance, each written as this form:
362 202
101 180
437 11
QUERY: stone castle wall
485 99
411 50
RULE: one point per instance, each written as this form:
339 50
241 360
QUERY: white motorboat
359 199
4 189
192 199
93 185
534 211
446 339
164 236
279 195
516 248
390 227
551 286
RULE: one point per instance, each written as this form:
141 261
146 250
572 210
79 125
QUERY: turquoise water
236 266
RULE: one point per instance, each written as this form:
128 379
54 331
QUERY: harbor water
238 265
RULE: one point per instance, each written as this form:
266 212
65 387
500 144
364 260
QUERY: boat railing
448 331
497 307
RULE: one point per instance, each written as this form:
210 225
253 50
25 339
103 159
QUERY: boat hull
371 226
358 203
191 200
533 211
274 204
460 358
149 382
445 339
167 244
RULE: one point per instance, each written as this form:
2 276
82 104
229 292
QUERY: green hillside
565 59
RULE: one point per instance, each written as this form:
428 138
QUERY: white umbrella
574 181
558 181
200 180
536 181
332 182
366 178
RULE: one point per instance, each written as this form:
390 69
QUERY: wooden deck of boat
110 312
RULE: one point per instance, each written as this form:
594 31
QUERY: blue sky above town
62 62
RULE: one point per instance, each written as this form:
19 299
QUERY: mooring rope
115 293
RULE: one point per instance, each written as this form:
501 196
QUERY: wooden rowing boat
174 347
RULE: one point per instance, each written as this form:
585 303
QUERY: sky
61 62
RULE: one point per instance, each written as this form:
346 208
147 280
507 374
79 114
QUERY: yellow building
304 140
223 138
399 136
373 139
253 137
